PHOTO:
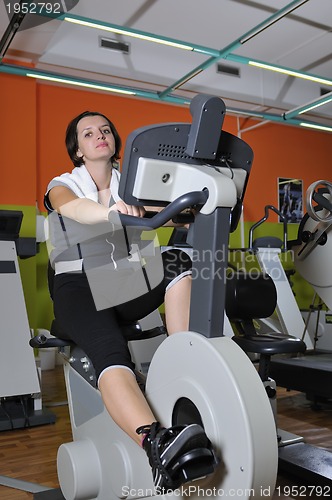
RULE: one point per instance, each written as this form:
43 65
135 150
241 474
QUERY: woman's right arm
86 211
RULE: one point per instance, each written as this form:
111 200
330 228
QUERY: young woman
78 203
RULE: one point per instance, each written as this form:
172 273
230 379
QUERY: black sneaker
177 455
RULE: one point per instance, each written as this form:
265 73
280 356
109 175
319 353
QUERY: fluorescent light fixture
273 19
316 126
134 34
80 84
63 79
309 108
299 110
252 114
290 72
189 78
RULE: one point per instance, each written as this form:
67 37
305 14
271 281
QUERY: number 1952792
34 8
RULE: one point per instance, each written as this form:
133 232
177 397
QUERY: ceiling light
299 110
316 126
273 19
315 106
226 51
63 79
252 114
128 32
290 72
80 83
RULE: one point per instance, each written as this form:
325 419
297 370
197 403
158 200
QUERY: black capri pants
99 333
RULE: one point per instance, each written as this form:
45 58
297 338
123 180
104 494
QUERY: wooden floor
30 454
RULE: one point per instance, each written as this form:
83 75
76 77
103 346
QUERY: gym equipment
255 296
312 373
20 394
268 251
197 376
311 250
318 322
309 372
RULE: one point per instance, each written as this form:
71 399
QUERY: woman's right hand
123 208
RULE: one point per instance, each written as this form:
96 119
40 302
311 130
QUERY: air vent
110 44
172 151
228 70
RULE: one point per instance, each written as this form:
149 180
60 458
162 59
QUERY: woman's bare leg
118 386
125 401
177 305
129 409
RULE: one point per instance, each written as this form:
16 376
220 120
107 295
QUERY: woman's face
95 139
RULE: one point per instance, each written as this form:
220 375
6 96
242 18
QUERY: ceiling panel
302 40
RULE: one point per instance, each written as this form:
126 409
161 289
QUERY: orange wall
35 116
283 151
18 140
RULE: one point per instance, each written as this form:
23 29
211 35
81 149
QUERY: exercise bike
198 376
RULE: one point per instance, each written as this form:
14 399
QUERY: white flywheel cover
221 381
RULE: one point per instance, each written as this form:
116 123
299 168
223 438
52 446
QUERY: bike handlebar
169 212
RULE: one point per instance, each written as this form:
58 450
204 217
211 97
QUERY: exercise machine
309 372
268 251
20 393
200 375
312 373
